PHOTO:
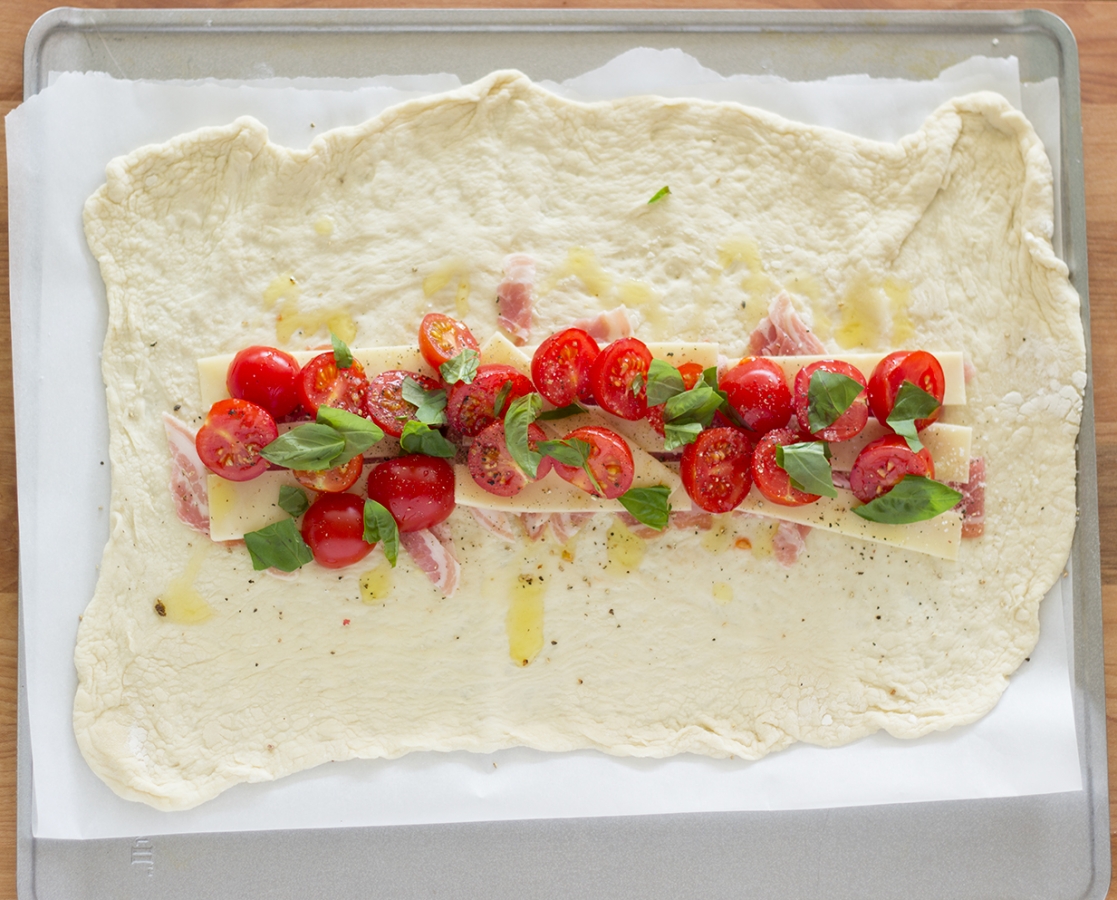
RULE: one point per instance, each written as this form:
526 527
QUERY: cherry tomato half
231 438
881 465
757 390
619 377
331 481
561 367
492 466
323 383
469 407
917 366
441 338
772 480
850 423
717 469
417 490
265 376
384 403
691 373
334 529
610 461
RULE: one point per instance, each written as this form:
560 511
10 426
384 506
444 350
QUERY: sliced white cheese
237 507
953 369
949 446
501 351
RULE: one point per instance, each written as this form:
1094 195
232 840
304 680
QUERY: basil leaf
664 382
569 453
381 528
659 195
561 412
521 413
648 505
808 466
912 402
462 367
342 356
678 435
312 447
358 432
913 499
696 405
420 438
292 500
429 405
278 546
638 382
830 394
501 396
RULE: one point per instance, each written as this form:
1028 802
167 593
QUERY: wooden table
1094 23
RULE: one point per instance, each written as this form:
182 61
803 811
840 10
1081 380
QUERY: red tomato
323 383
692 374
231 438
850 423
561 366
417 490
619 377
717 469
757 390
334 529
610 461
331 481
492 466
882 463
771 480
442 338
917 366
469 407
384 403
265 376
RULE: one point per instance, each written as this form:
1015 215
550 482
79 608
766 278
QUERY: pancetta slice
972 503
188 475
565 525
432 550
499 523
608 326
789 541
783 333
535 523
513 297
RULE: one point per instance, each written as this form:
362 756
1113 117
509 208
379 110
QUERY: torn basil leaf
664 382
572 452
912 403
312 447
381 528
830 394
521 413
462 367
429 406
420 438
342 356
278 546
648 505
292 500
808 466
562 412
913 499
358 432
659 195
679 435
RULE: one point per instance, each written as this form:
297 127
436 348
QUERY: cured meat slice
789 541
534 523
565 525
188 475
497 522
432 550
608 326
513 297
972 503
783 333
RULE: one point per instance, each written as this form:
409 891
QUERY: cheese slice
949 446
237 507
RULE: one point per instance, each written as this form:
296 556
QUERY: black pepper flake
160 608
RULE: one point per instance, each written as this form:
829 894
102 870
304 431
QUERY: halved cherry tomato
492 466
384 403
772 480
692 374
717 468
561 367
441 338
469 407
881 465
757 390
323 383
265 376
334 529
331 481
610 461
417 490
917 366
619 377
231 438
850 423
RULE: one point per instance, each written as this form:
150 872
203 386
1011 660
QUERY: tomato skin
492 466
917 366
757 390
612 376
882 463
265 376
334 529
441 338
610 461
331 481
850 423
417 490
771 480
469 407
717 469
561 367
384 402
323 383
231 438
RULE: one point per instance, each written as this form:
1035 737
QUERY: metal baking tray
1050 846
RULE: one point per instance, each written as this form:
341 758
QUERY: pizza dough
689 643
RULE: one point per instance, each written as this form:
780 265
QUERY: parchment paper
58 145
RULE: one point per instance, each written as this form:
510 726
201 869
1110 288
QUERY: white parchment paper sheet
58 145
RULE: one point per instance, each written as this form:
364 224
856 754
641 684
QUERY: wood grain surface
1094 24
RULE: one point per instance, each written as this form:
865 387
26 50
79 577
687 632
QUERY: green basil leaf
696 405
462 367
664 382
342 356
677 435
561 412
292 500
381 528
648 505
521 413
278 546
659 195
569 453
830 394
429 406
312 447
914 499
808 466
638 382
912 403
501 396
420 438
358 432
